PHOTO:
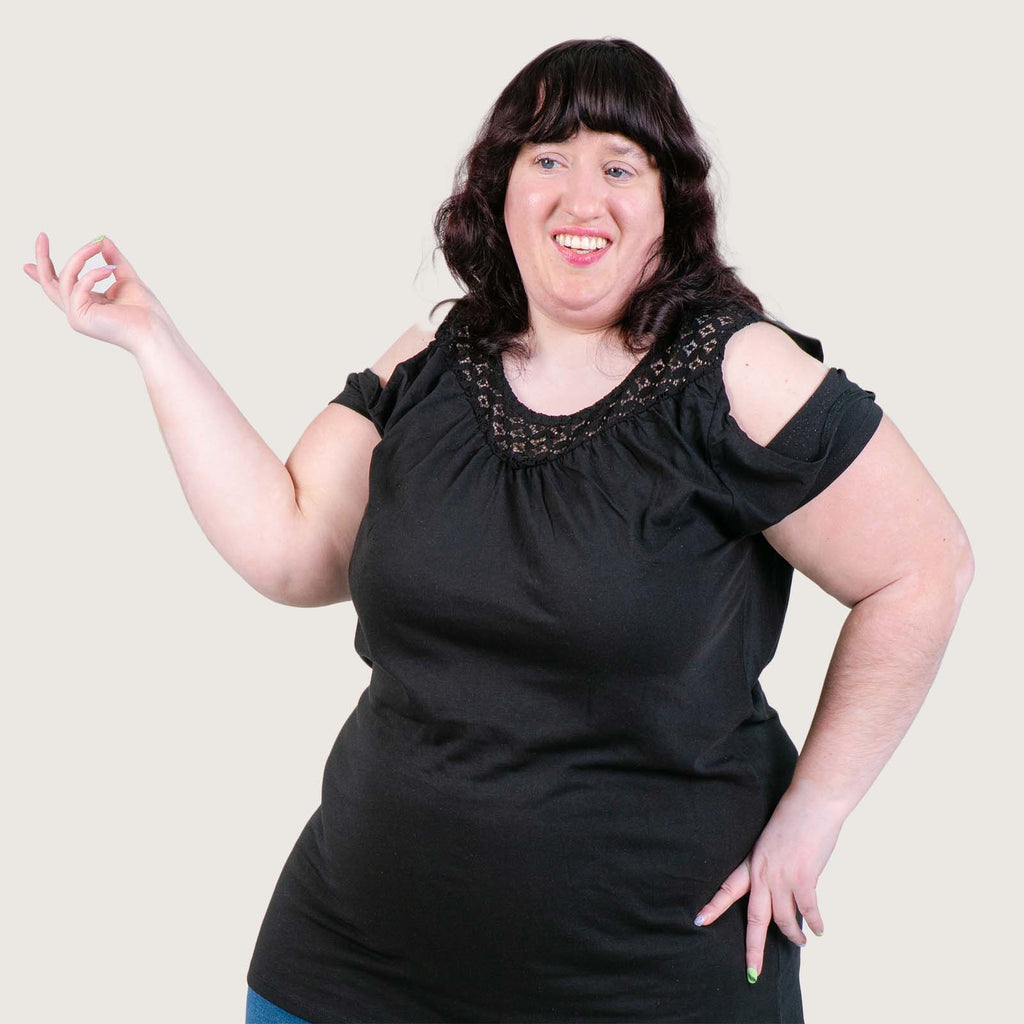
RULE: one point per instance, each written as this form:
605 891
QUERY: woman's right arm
286 528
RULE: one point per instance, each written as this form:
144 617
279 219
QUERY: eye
624 172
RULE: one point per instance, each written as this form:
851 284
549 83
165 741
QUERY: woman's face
594 184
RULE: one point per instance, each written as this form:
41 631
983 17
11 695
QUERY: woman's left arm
882 539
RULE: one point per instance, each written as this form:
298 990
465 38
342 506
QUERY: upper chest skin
569 387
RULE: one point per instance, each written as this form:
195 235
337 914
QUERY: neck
556 344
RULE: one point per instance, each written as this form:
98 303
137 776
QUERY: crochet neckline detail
523 437
517 407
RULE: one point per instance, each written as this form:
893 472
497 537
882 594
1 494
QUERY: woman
564 794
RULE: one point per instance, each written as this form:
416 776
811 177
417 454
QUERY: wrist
159 335
820 798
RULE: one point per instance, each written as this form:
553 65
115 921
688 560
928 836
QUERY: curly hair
606 85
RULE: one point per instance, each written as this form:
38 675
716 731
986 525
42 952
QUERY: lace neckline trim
516 407
522 436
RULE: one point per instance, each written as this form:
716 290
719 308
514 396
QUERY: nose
584 194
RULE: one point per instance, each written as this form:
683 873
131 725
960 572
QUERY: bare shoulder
330 467
767 377
414 340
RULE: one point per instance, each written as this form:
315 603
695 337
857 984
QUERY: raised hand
781 874
123 315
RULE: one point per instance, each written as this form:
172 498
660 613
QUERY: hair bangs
599 88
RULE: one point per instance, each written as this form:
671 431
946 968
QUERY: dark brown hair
607 85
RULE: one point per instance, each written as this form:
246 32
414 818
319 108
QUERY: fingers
44 271
113 255
61 287
784 909
69 275
82 294
728 893
761 909
763 906
807 903
759 915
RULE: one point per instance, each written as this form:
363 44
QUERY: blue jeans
262 1011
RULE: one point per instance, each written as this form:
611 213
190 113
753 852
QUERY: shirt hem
310 1012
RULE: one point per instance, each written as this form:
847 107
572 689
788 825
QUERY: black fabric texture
564 747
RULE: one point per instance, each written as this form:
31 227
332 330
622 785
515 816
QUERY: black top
564 747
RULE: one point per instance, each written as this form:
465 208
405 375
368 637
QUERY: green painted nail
752 975
98 238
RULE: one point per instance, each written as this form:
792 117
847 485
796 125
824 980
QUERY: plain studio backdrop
272 173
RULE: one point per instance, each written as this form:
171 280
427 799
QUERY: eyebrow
622 148
625 149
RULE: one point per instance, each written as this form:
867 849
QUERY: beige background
272 172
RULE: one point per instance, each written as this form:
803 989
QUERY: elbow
940 585
963 574
305 592
274 591
950 570
301 600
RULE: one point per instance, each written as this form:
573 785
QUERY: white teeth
586 242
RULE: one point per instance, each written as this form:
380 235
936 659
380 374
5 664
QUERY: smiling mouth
582 245
580 257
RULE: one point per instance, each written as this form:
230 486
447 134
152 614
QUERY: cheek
524 217
647 231
515 215
648 216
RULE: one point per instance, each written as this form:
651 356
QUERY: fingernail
819 934
698 920
752 975
98 238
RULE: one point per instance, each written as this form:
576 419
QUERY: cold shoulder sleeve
364 393
766 483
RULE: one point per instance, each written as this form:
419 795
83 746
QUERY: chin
595 305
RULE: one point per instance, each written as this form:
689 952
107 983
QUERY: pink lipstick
580 259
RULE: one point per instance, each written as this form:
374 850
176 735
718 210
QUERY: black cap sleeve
824 436
362 392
